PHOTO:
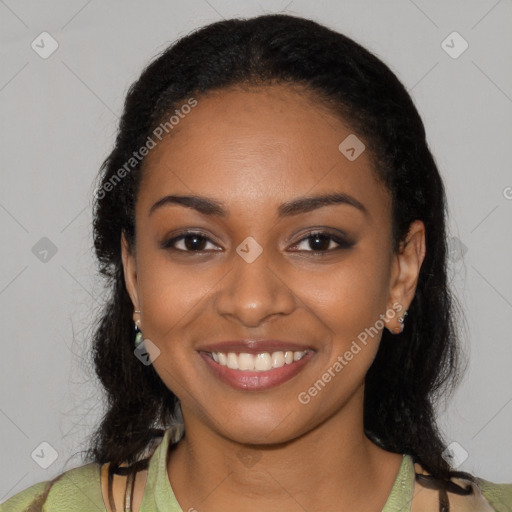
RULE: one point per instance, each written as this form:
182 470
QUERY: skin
253 150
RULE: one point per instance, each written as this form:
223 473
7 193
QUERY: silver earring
401 320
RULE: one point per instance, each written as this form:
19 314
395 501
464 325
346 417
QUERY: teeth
245 362
277 359
262 362
232 361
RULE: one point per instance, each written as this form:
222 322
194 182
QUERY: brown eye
191 242
321 242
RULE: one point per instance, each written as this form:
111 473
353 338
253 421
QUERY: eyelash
342 243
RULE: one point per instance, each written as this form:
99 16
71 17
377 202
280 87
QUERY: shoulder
484 496
77 489
498 495
23 499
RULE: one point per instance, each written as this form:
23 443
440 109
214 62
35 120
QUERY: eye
320 242
191 241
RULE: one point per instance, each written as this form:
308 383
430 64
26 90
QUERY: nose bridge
252 290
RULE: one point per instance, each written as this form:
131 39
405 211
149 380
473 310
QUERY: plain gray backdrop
59 115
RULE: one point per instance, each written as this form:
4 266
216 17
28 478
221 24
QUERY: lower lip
255 381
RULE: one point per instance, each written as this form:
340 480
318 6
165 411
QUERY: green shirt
79 490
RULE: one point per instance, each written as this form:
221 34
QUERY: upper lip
251 346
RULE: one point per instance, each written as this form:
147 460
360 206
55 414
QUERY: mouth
262 362
256 371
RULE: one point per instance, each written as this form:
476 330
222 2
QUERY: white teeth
245 362
232 361
262 362
277 359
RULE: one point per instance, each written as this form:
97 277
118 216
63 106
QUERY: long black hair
412 370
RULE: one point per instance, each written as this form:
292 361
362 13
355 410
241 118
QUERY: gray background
59 117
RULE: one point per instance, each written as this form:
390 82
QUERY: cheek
170 293
348 300
172 298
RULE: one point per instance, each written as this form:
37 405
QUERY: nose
254 291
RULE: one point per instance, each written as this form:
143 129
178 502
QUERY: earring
401 320
138 334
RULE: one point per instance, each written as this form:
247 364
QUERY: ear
130 272
405 269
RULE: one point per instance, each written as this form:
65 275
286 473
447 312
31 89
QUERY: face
302 289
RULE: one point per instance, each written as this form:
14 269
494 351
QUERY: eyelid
321 230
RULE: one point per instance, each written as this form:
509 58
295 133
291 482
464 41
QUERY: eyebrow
209 206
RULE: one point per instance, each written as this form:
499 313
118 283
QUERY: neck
333 466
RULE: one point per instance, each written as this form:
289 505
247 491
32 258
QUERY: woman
272 226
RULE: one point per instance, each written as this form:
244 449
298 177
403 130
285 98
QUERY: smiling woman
279 322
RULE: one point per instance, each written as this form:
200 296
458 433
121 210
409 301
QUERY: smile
256 371
262 362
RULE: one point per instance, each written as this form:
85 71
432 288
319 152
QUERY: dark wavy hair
412 370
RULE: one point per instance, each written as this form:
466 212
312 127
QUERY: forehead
258 146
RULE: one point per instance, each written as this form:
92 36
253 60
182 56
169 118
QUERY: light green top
79 489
